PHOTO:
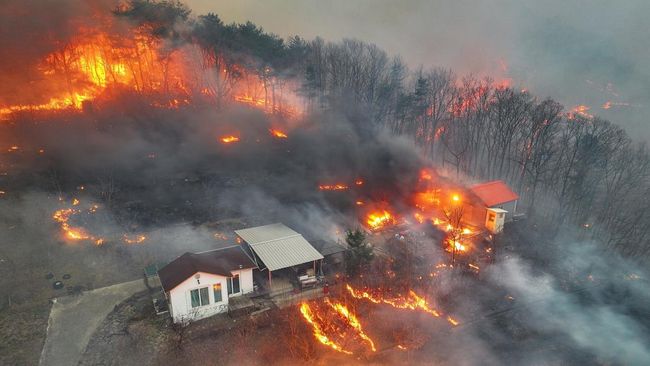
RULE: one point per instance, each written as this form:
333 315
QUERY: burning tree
454 215
359 253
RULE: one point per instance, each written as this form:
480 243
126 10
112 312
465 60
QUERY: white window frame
200 302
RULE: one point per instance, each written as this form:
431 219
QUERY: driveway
74 319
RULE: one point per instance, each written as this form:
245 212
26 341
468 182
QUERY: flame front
412 301
278 133
319 334
333 187
229 139
74 233
352 321
332 325
379 220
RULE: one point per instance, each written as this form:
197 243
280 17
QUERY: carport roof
278 246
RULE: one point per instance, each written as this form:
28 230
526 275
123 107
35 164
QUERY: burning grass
334 324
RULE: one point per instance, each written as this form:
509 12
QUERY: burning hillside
133 132
119 53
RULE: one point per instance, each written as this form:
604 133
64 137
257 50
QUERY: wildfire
315 322
332 325
352 320
277 133
134 239
610 104
96 62
412 301
73 233
452 321
77 233
229 139
580 110
333 187
379 220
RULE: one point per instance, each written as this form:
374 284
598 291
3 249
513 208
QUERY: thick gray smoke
578 52
165 173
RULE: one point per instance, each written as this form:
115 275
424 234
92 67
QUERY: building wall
476 213
180 298
510 207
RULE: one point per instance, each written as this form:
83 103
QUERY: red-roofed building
495 203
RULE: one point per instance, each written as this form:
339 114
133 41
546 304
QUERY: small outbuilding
495 204
198 285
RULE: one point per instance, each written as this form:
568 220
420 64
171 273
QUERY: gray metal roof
279 246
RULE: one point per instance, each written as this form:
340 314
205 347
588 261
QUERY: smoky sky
578 52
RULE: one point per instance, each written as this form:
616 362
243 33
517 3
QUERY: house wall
511 207
180 298
476 213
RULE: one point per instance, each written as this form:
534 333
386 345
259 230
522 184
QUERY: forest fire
229 139
78 233
412 301
134 239
333 187
379 219
333 324
73 233
100 62
278 133
609 104
96 61
580 110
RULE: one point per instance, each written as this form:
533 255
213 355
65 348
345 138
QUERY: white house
198 285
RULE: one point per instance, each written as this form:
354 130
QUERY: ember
277 133
229 139
333 187
134 239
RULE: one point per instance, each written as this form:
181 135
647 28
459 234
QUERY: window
216 288
233 285
491 217
194 295
205 299
199 297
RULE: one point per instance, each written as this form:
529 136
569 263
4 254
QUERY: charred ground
150 155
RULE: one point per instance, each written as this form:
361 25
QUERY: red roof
494 193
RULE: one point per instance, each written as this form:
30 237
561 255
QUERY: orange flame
379 220
328 331
412 301
229 139
352 321
277 133
73 233
333 187
134 239
319 334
